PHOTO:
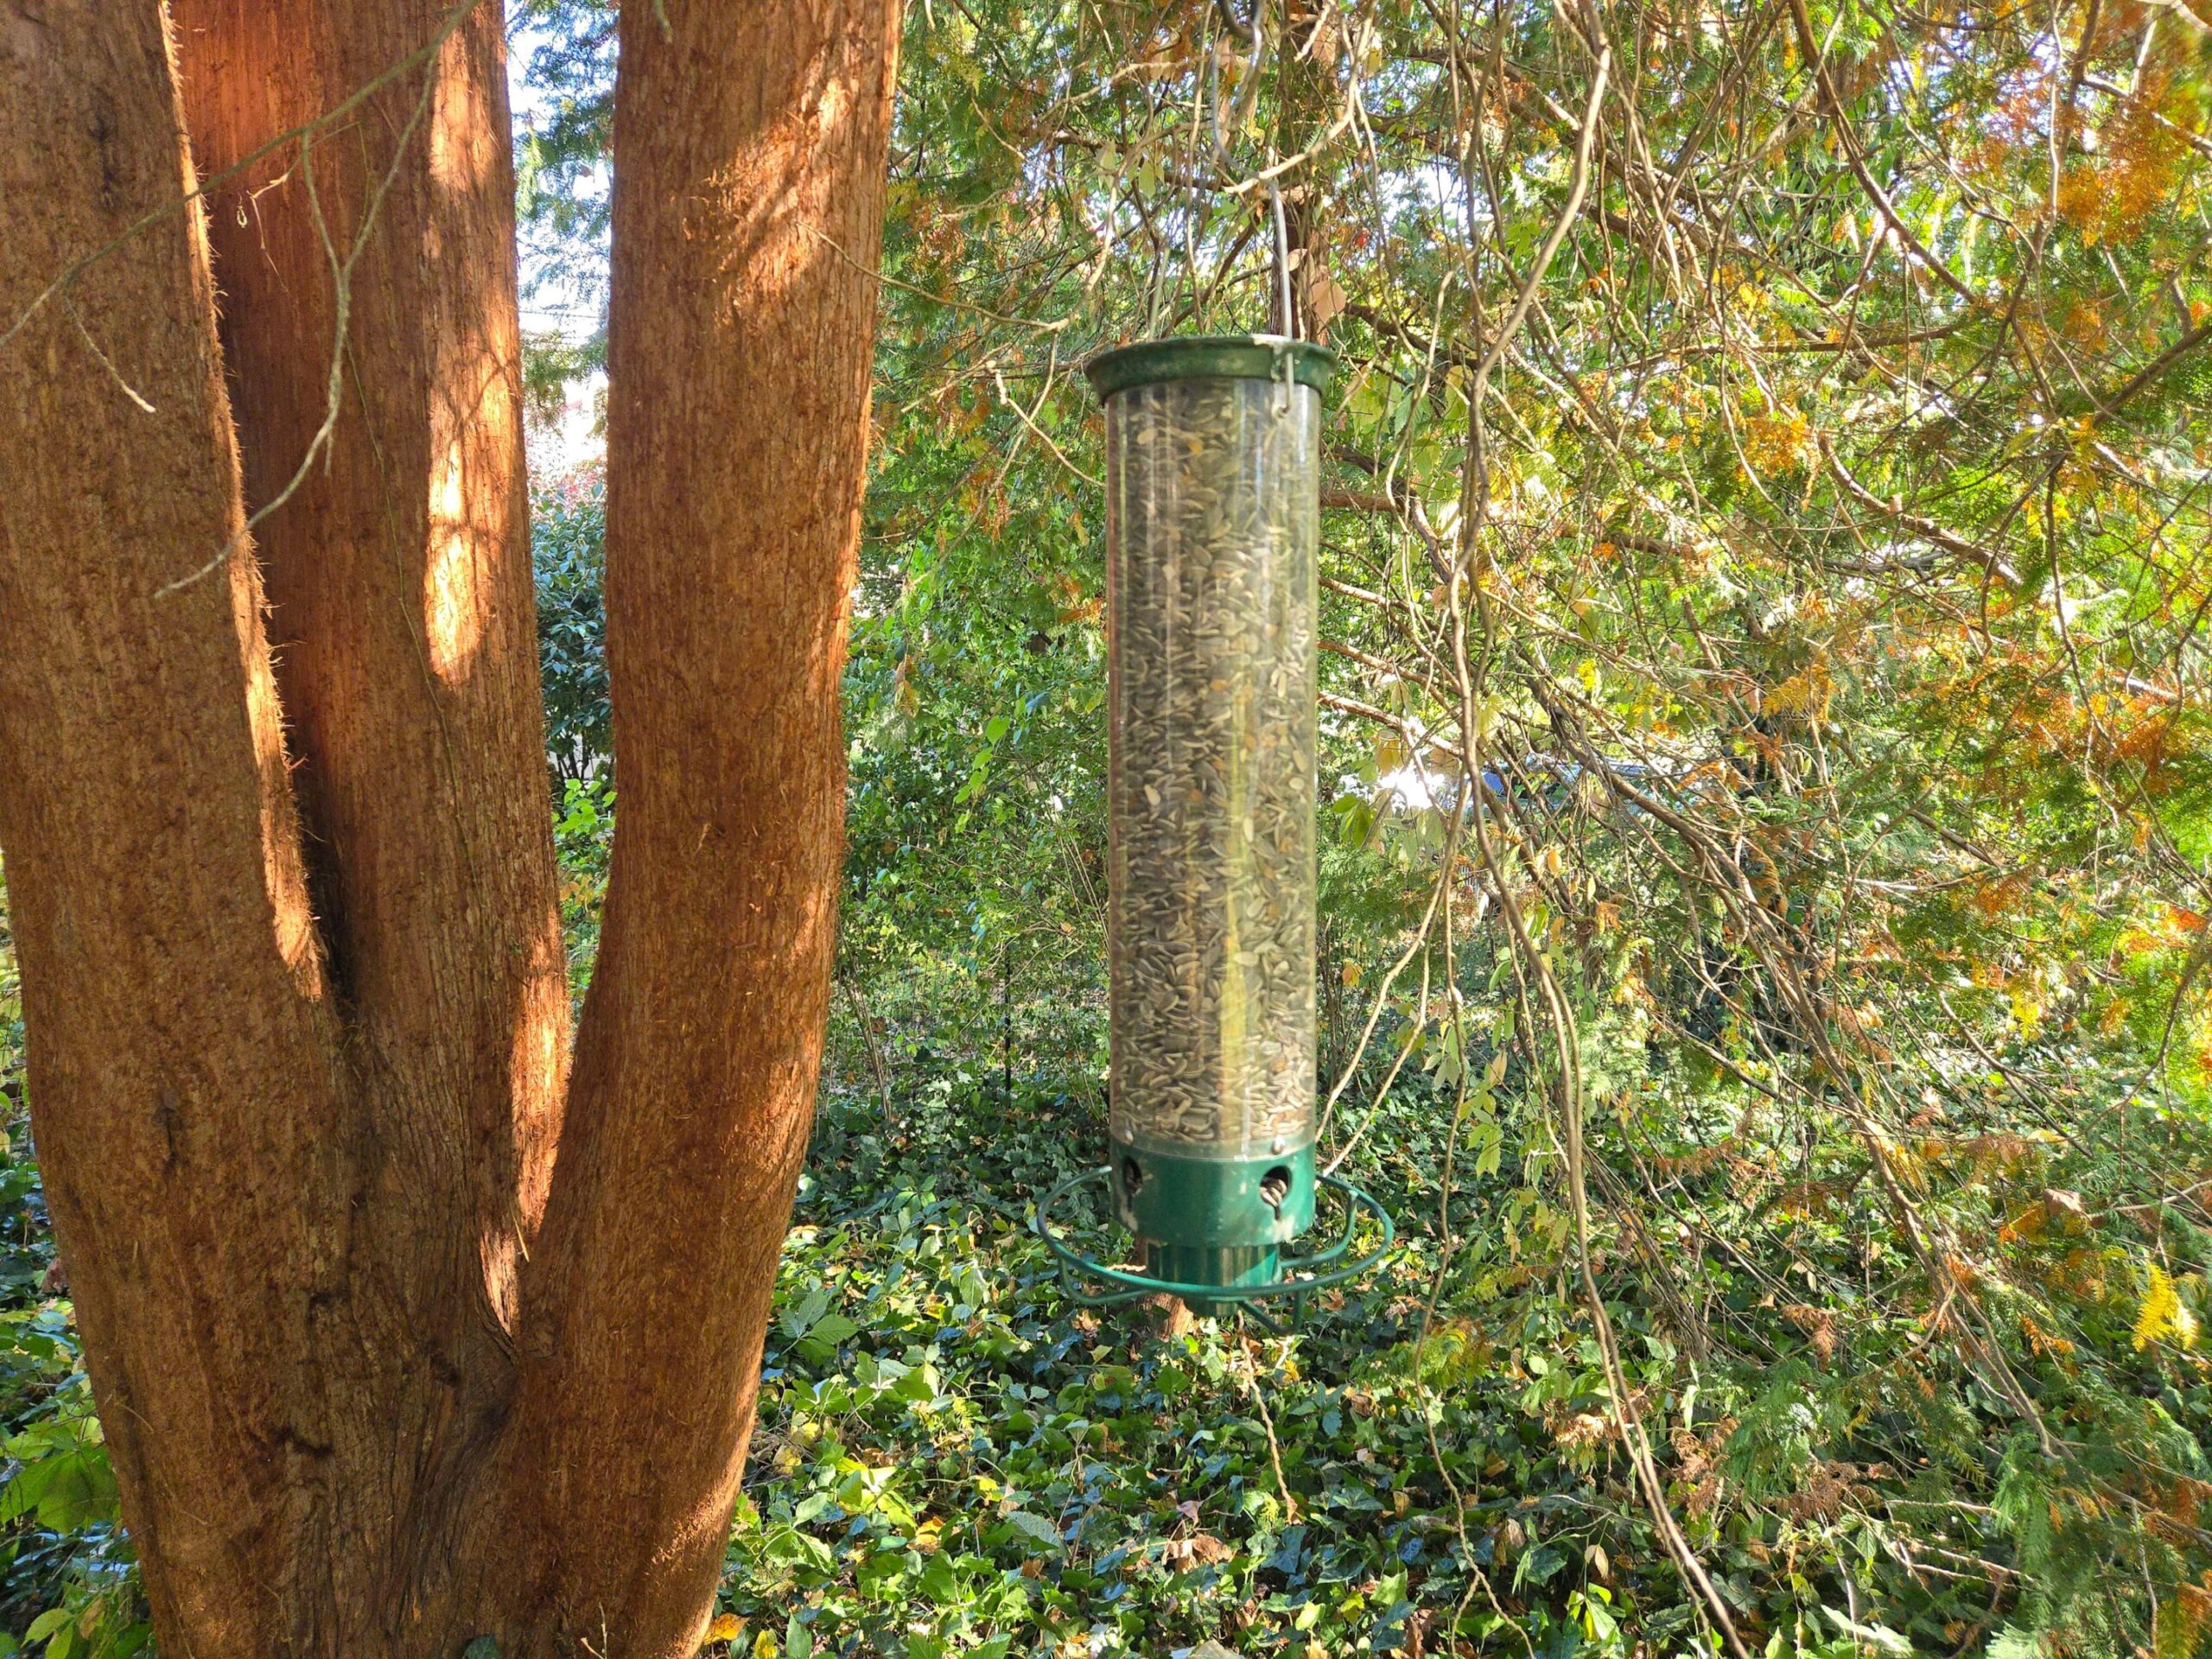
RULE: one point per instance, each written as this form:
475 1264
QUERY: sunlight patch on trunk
451 614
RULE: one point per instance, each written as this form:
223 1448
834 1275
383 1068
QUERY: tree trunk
184 1096
400 603
748 213
373 1327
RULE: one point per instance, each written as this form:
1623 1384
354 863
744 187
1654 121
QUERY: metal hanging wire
1252 30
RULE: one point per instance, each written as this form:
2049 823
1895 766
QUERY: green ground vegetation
1766 849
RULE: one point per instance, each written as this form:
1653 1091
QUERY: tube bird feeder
1212 527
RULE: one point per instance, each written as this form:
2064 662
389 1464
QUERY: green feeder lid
1209 357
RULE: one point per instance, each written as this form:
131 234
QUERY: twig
93 347
1808 44
342 307
368 90
1268 1423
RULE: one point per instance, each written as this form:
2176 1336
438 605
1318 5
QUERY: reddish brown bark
399 587
390 1356
180 1034
738 366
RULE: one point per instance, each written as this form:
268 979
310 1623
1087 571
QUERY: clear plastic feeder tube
1212 458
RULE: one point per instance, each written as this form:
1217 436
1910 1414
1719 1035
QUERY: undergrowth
953 1456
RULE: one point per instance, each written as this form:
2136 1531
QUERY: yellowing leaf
2162 1313
2180 1622
727 1627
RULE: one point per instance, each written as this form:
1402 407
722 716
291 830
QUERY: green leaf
1036 1527
1542 1563
833 1328
940 1583
882 1572
797 1321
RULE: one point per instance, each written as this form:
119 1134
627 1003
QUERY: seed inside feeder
1212 524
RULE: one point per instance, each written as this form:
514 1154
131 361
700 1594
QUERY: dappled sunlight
283 871
470 505
537 1065
452 606
1412 848
768 225
464 150
538 1068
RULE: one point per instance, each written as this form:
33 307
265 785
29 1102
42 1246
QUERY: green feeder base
1172 1199
1211 1277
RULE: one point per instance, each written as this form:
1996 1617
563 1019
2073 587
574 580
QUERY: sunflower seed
1212 522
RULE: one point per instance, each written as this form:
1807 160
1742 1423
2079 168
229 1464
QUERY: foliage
568 553
1768 788
1767 842
583 836
1795 512
561 179
67 1580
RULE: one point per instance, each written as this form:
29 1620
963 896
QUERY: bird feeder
1212 524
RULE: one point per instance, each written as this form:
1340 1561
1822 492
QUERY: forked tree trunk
392 1353
747 214
400 606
